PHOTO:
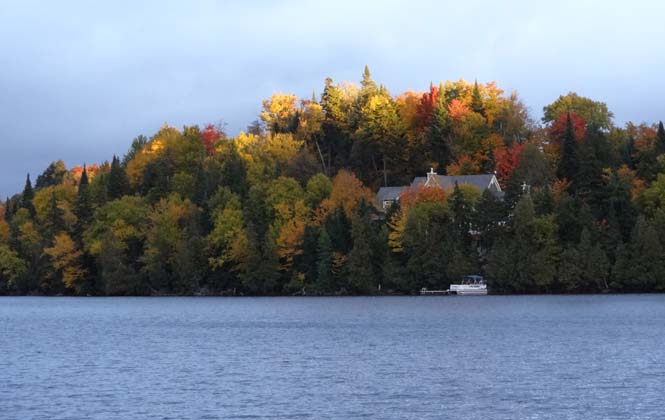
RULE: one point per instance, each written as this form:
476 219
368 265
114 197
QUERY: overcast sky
79 80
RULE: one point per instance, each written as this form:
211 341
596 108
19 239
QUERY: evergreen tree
501 266
628 153
619 200
324 265
568 162
336 142
584 267
338 227
620 275
27 196
361 276
488 219
367 84
462 214
477 100
305 263
543 201
8 210
647 271
234 173
596 264
427 245
438 136
53 175
660 139
572 216
55 221
259 271
82 205
368 88
589 181
118 185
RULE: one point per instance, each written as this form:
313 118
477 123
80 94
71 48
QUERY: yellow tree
287 199
227 241
408 199
4 227
280 113
66 260
347 191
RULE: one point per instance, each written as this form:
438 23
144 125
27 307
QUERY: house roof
482 182
388 193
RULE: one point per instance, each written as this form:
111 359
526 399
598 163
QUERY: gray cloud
81 79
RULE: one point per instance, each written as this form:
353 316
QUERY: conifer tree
628 153
118 184
660 139
491 213
8 210
568 162
324 266
438 136
55 222
477 100
647 271
82 205
361 275
462 216
27 196
338 227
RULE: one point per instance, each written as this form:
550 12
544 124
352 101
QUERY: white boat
471 285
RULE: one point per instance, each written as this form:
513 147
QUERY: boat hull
466 290
470 292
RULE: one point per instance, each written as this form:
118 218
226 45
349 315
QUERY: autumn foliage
558 127
506 160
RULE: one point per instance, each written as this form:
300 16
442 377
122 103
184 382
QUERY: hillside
288 206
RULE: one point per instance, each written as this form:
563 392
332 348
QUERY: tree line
288 205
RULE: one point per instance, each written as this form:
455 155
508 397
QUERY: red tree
209 136
426 106
558 128
507 159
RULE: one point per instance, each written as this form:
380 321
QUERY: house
386 196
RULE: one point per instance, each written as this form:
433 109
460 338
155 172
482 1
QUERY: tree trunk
323 161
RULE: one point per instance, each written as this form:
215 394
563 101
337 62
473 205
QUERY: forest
287 207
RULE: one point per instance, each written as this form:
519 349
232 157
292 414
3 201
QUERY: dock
425 291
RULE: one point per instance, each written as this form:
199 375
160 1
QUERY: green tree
584 267
118 185
12 268
660 139
324 267
318 189
55 218
593 112
53 175
27 196
361 275
172 255
525 260
427 245
647 271
137 145
477 100
568 166
115 239
83 205
438 135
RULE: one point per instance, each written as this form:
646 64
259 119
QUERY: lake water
518 357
